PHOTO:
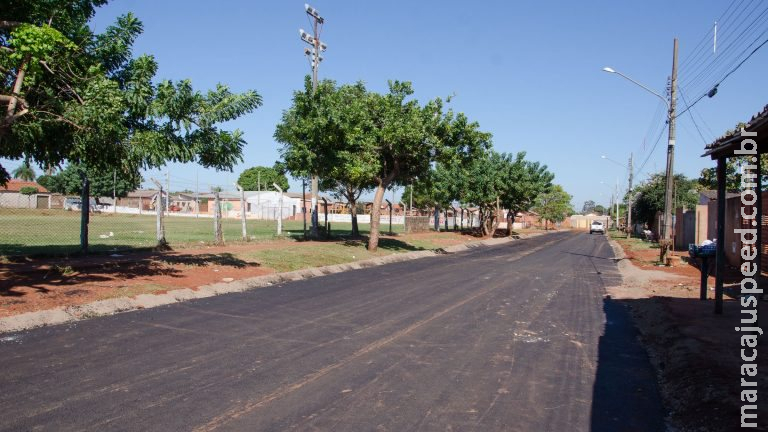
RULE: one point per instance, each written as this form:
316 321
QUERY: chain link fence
52 224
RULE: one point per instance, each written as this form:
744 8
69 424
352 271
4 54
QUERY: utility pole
314 59
629 199
667 231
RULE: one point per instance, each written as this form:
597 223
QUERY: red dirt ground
34 284
696 352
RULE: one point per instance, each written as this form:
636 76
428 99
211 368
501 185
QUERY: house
11 195
526 219
750 140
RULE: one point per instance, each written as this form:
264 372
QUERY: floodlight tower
314 57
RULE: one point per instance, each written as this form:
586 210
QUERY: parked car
597 227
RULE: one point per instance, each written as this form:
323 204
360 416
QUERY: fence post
242 211
327 229
218 235
390 215
280 215
160 227
85 207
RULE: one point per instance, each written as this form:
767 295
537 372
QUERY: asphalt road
515 337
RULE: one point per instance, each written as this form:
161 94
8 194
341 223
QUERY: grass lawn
54 232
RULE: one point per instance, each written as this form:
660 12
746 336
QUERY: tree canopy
348 135
650 196
103 183
70 95
261 178
554 205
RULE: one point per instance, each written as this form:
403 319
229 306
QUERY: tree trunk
353 213
378 197
437 218
11 109
510 221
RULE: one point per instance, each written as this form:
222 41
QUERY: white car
597 227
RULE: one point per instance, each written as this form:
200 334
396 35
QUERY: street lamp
667 227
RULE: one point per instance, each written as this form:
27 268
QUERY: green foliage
599 209
84 98
708 176
49 182
70 182
28 190
651 196
249 179
554 205
355 139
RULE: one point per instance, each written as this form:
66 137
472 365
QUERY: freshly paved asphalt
515 337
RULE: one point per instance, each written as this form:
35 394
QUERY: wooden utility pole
670 173
629 199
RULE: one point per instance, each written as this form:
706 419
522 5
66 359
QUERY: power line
655 144
726 76
690 114
726 55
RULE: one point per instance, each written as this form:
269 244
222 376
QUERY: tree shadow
40 274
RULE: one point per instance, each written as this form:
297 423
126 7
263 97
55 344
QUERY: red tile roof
15 185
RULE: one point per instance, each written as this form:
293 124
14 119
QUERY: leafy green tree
253 178
588 207
522 182
70 95
650 196
49 182
102 183
554 205
708 176
365 140
598 210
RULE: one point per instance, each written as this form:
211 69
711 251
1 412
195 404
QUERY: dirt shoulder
695 352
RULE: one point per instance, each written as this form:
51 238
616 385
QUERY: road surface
514 337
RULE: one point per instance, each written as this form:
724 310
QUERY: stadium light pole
667 227
314 59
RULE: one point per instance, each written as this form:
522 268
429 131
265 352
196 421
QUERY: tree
102 183
651 196
367 140
24 172
708 176
588 207
523 181
71 95
261 178
554 206
326 133
598 210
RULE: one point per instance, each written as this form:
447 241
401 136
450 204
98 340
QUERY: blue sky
529 72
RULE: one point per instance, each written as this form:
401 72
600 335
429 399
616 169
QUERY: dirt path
696 353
